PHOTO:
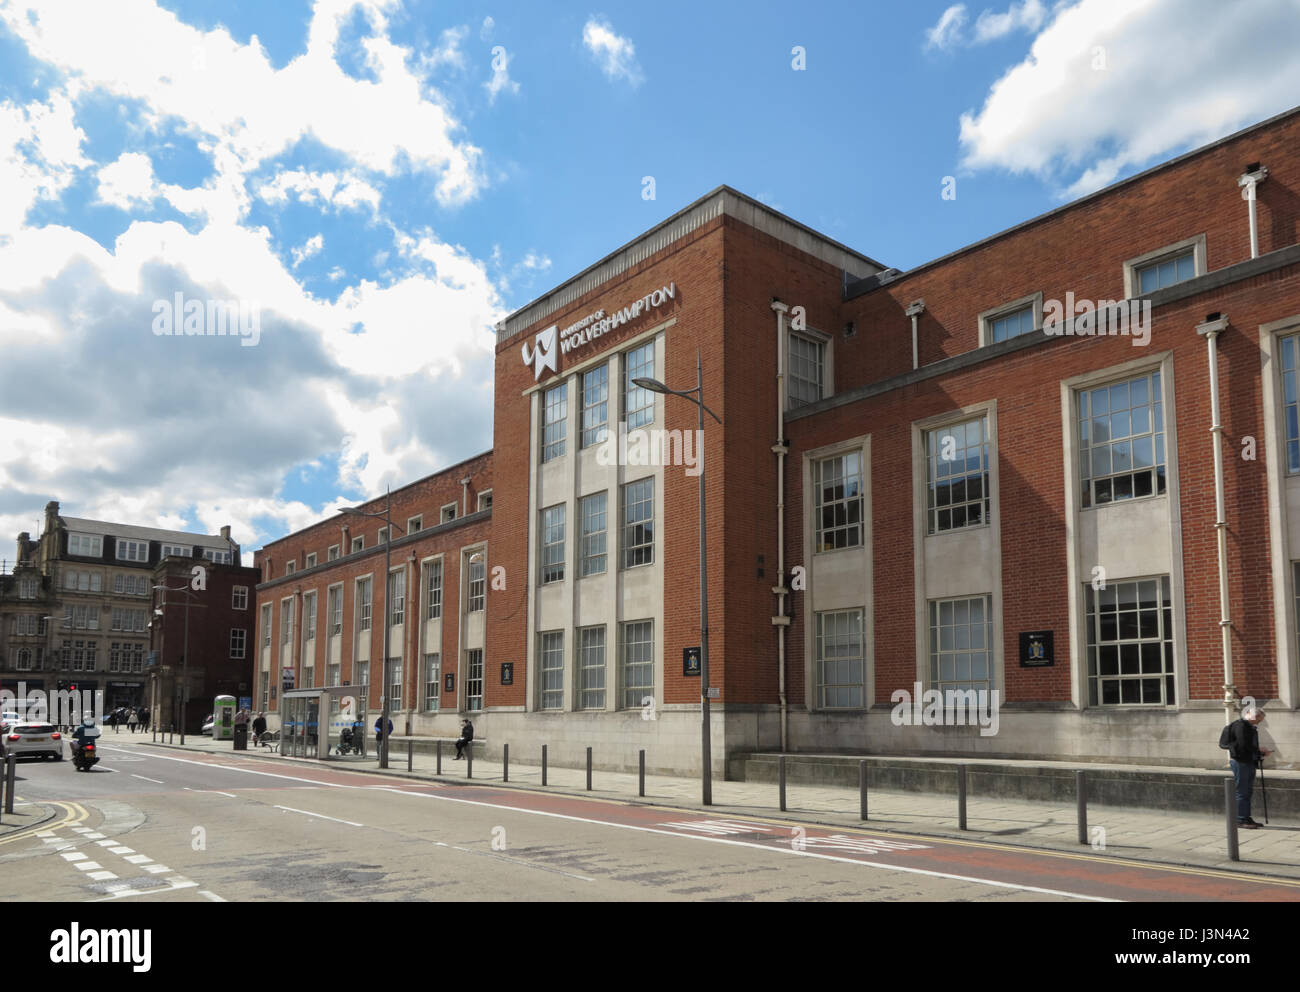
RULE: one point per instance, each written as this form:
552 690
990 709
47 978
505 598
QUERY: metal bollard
505 763
543 764
1081 799
862 788
469 760
961 797
1230 816
437 747
588 769
780 777
641 775
11 763
410 755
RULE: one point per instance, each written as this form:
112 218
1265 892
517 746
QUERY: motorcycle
84 756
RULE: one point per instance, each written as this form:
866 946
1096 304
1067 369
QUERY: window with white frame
363 604
266 625
639 523
311 560
308 675
837 491
286 622
1009 325
29 625
395 683
332 553
239 597
485 500
383 536
432 681
414 524
115 655
555 420
553 544
238 643
637 662
448 513
290 567
840 659
957 476
85 545
335 605
137 657
1122 440
551 674
358 544
397 597
961 644
593 513
309 616
83 581
178 550
217 557
1290 414
27 588
130 585
361 671
266 692
1166 271
477 583
595 405
82 617
334 673
1130 643
638 403
433 590
591 668
807 381
474 680
132 550
129 620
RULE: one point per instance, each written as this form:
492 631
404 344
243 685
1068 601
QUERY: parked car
41 739
208 724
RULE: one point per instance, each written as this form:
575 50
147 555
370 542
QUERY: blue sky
379 181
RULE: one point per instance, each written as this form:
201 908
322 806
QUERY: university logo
542 353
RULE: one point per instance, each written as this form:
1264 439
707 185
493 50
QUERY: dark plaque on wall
1036 649
449 682
691 661
507 673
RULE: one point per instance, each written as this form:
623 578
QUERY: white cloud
1028 15
49 129
615 54
448 51
343 192
946 32
485 32
1112 85
500 81
310 247
127 182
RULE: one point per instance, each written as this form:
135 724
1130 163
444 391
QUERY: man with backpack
1241 740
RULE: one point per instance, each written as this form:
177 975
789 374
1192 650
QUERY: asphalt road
158 824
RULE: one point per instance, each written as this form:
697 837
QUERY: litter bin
241 737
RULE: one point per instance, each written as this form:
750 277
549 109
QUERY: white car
27 738
207 726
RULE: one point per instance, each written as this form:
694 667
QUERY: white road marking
89 866
101 876
93 836
155 869
106 843
72 856
80 830
138 859
307 812
45 833
155 781
210 895
127 892
122 850
211 792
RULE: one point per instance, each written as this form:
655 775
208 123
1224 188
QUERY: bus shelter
325 723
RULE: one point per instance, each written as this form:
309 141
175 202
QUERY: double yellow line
73 813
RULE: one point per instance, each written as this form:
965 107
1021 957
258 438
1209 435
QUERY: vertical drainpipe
914 311
781 622
1215 324
1249 181
464 496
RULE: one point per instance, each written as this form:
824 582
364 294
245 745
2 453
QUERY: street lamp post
185 657
386 517
696 396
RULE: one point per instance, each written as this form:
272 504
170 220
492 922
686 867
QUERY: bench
270 739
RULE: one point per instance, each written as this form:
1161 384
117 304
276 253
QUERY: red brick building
945 479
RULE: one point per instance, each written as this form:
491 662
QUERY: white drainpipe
1215 325
464 496
914 311
781 622
1253 176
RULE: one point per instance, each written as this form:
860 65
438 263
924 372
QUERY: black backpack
1225 737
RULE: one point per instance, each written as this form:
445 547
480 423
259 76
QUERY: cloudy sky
376 182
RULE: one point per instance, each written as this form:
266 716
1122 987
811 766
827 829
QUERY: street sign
245 702
507 673
1036 649
715 692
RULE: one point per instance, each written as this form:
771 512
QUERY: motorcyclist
86 732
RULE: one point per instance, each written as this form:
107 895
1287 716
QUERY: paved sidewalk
1145 835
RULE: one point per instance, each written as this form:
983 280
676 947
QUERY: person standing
259 728
1241 738
144 720
466 738
132 719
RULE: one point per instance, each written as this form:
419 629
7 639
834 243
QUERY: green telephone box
223 718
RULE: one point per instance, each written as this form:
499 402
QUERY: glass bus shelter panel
311 728
347 725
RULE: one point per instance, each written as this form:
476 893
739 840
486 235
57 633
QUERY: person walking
259 728
132 719
466 737
1241 738
144 719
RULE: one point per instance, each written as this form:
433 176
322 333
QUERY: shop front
325 723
